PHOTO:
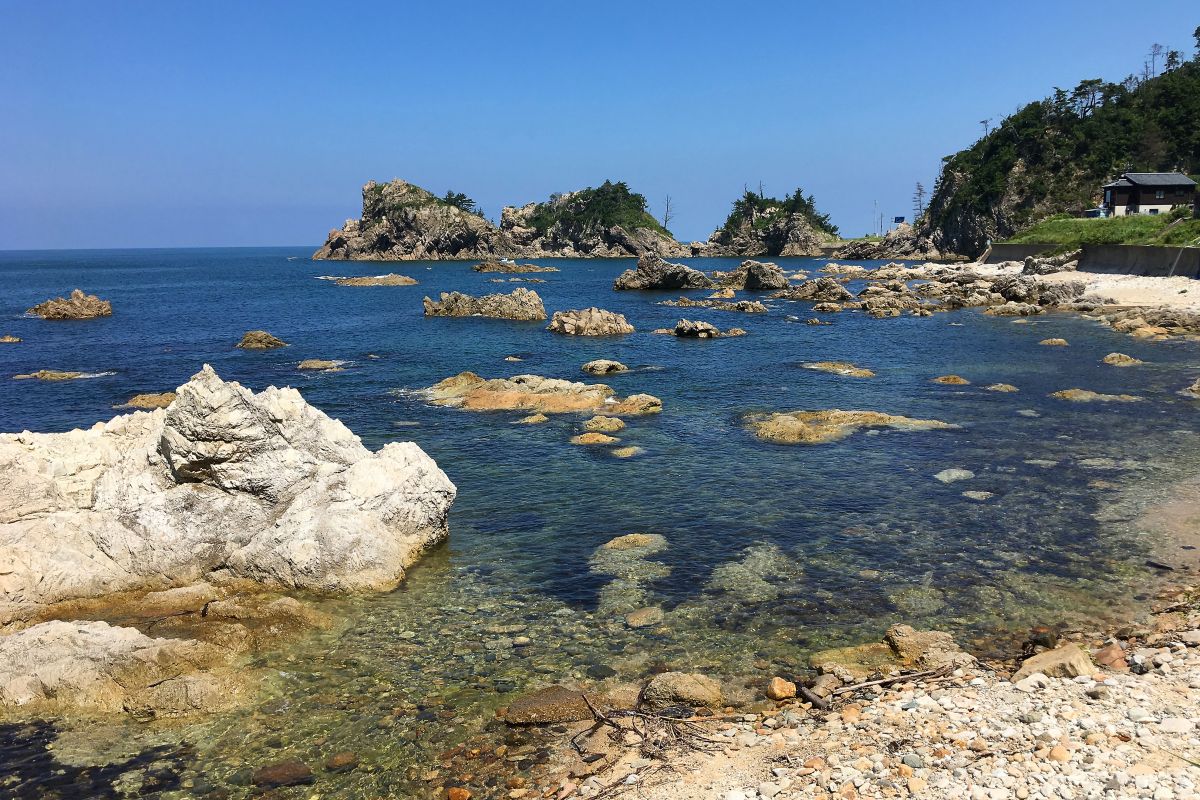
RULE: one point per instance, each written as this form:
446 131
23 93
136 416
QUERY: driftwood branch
929 673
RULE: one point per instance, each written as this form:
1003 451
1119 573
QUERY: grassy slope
1070 233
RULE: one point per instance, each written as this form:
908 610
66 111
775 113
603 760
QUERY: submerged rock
1088 396
553 704
260 340
535 393
520 304
654 273
1121 360
391 279
759 576
262 487
56 667
1001 387
603 366
819 427
952 475
589 322
840 368
903 647
149 401
510 267
77 306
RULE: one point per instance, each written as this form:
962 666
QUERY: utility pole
987 126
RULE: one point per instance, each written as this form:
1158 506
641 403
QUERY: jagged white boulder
222 484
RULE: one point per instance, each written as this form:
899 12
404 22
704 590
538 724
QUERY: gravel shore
1125 730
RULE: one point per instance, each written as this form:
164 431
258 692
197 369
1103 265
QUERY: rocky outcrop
391 279
50 375
604 366
697 329
55 667
8 338
320 365
520 304
77 306
510 267
754 276
654 273
224 484
742 306
1121 360
403 222
820 427
1088 396
817 290
260 340
589 322
149 401
903 242
769 231
470 392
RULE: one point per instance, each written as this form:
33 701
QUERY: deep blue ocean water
773 551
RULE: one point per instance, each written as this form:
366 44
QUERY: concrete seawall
1130 259
1119 259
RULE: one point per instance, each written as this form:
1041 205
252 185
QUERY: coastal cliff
403 222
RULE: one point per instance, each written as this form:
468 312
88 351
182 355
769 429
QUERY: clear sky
148 123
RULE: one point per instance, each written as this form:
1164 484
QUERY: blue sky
146 123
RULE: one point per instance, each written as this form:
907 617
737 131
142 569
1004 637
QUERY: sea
772 552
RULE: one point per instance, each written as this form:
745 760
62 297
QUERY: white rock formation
222 484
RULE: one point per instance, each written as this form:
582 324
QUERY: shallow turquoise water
773 551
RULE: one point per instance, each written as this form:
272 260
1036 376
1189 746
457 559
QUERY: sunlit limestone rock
222 484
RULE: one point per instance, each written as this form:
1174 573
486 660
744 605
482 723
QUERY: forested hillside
1053 155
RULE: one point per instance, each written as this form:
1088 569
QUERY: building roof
1158 179
1120 183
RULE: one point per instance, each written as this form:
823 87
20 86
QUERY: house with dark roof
1148 193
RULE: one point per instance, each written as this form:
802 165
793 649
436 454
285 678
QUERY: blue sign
898 220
